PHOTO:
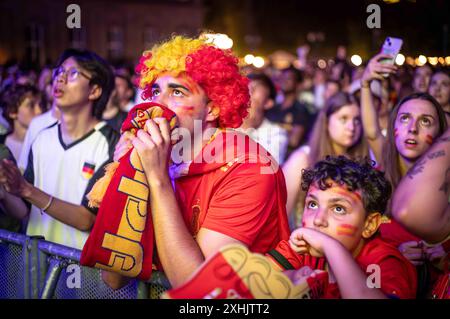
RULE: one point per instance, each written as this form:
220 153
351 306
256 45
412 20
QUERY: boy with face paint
344 204
343 208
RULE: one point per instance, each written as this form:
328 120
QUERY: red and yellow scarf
236 273
122 238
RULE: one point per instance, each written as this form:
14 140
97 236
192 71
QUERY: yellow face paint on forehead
340 190
189 84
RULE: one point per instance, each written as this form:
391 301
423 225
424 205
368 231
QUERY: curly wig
214 69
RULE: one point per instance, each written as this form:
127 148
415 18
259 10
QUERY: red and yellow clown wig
215 70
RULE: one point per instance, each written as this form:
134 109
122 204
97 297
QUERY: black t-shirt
117 120
296 114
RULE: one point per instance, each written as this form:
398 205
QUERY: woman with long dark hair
337 131
414 124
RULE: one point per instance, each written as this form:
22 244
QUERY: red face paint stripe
345 229
429 139
344 191
347 226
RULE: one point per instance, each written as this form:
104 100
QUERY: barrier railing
31 267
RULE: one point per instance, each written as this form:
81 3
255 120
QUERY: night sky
285 24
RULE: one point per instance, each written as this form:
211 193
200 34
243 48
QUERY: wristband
48 204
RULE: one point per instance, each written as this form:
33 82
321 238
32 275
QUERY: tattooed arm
420 202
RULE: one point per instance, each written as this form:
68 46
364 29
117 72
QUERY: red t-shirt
398 275
234 195
394 233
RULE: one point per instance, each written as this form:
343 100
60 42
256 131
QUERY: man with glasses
66 158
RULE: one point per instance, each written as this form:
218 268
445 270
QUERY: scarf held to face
122 238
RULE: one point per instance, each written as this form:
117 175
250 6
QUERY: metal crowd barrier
32 268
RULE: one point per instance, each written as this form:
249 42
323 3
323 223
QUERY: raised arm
351 279
180 254
420 201
15 184
369 114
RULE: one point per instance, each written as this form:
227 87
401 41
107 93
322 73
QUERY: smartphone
392 47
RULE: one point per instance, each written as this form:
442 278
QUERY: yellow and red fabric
122 238
236 273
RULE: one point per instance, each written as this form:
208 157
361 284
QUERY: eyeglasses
71 74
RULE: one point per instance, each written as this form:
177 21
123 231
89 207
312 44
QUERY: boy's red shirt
232 196
398 275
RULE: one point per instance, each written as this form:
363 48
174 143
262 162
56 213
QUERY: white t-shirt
14 146
272 137
67 172
319 98
37 124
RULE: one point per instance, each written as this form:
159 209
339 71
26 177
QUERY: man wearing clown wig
226 189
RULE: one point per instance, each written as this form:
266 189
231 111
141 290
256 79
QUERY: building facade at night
36 31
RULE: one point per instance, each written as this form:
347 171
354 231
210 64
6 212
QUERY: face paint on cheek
187 108
184 109
346 230
429 139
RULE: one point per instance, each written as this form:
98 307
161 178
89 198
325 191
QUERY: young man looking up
203 205
66 157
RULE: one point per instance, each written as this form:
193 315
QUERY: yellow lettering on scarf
127 252
262 279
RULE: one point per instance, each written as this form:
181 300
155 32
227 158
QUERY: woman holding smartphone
415 123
